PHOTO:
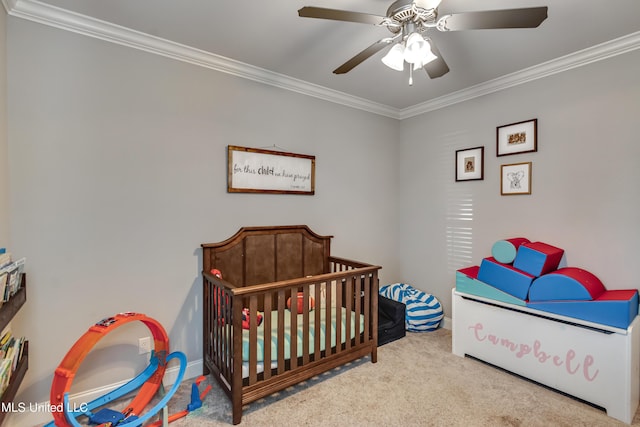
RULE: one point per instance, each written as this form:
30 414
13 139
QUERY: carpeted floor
416 382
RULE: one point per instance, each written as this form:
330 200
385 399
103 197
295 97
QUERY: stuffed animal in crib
300 303
246 318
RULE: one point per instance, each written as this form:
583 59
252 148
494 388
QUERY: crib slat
219 331
348 306
327 315
281 313
227 346
340 285
293 342
253 339
305 324
367 301
236 355
221 337
214 319
267 338
357 305
316 322
373 316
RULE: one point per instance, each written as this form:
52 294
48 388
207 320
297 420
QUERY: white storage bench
596 363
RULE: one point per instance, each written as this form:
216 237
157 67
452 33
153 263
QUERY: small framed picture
470 164
515 179
517 138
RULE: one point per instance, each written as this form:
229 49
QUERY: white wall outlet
144 345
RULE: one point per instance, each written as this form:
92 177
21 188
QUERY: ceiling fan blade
365 54
340 15
437 67
529 17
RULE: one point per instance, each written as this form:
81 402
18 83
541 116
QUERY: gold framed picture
515 179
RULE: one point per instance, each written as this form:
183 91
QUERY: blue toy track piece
134 421
196 402
130 386
106 415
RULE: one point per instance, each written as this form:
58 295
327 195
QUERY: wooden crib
264 268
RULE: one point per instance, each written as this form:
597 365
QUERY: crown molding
53 16
63 19
9 4
586 56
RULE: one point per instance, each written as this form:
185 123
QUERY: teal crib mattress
313 329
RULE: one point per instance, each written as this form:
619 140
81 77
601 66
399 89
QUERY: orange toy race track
67 369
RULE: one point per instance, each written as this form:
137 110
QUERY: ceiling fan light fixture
429 56
394 59
417 48
428 4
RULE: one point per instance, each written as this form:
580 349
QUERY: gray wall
4 162
119 174
584 197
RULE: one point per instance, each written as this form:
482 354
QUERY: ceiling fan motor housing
411 16
412 10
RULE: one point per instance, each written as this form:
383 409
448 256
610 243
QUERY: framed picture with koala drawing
515 178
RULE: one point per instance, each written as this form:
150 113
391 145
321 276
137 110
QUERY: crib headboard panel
269 254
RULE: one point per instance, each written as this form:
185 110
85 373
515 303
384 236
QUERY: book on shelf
4 338
3 284
11 278
11 351
5 258
5 374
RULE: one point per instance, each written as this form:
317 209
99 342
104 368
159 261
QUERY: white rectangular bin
596 363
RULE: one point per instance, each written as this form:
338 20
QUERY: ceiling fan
409 21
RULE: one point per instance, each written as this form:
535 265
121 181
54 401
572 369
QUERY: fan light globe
417 48
394 59
429 56
430 4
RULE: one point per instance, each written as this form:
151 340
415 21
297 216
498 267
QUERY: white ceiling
303 52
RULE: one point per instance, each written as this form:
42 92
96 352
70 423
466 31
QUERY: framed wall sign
515 179
470 164
517 138
253 170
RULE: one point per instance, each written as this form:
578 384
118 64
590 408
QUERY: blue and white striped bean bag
424 311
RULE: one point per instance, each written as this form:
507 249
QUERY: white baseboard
446 323
33 414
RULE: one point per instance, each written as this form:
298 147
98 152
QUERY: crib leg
236 404
374 355
237 413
